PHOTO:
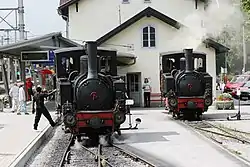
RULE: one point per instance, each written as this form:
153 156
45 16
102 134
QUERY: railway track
224 136
223 133
112 156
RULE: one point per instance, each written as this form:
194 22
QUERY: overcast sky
40 16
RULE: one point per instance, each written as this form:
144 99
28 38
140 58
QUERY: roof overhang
125 59
63 8
47 42
217 46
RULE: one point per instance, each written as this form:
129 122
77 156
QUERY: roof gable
62 2
66 3
148 12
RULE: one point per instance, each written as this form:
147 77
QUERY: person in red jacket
29 86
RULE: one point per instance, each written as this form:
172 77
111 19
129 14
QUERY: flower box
224 105
224 101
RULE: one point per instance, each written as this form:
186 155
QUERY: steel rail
224 129
134 156
238 131
230 135
66 152
210 137
97 156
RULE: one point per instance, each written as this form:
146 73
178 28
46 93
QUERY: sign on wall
35 56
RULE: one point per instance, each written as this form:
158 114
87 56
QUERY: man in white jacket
22 101
14 92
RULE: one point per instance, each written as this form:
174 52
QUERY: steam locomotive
92 101
187 91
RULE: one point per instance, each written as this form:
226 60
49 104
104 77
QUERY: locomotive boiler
187 90
92 102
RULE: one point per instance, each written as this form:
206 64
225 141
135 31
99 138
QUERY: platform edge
22 158
215 145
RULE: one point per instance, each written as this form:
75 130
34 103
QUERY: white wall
148 58
95 18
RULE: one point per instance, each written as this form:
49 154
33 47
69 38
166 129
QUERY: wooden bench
156 98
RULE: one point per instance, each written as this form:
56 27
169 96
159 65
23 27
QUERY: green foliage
246 6
224 97
233 40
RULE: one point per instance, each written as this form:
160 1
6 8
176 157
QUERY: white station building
144 29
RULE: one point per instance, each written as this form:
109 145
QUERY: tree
233 38
246 6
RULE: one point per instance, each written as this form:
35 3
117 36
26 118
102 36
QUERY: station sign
35 56
50 62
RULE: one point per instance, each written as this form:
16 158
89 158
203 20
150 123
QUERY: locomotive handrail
126 95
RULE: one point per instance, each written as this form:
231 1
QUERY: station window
148 36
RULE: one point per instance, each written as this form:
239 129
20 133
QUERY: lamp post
238 114
244 50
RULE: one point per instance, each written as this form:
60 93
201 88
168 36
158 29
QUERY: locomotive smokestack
189 59
92 59
83 64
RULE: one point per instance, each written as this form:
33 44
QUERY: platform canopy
46 42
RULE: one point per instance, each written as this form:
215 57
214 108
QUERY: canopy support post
5 80
23 75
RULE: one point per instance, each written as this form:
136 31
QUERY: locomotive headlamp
69 120
119 117
172 102
208 101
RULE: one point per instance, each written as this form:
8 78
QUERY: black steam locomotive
186 90
92 100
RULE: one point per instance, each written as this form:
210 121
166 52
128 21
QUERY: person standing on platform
22 100
147 92
38 99
29 86
14 92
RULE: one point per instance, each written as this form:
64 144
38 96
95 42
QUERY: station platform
18 139
170 144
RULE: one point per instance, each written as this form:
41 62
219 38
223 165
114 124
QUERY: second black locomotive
187 90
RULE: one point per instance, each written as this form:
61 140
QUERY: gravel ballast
51 152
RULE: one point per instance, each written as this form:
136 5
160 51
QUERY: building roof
217 46
63 2
64 6
148 12
46 42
